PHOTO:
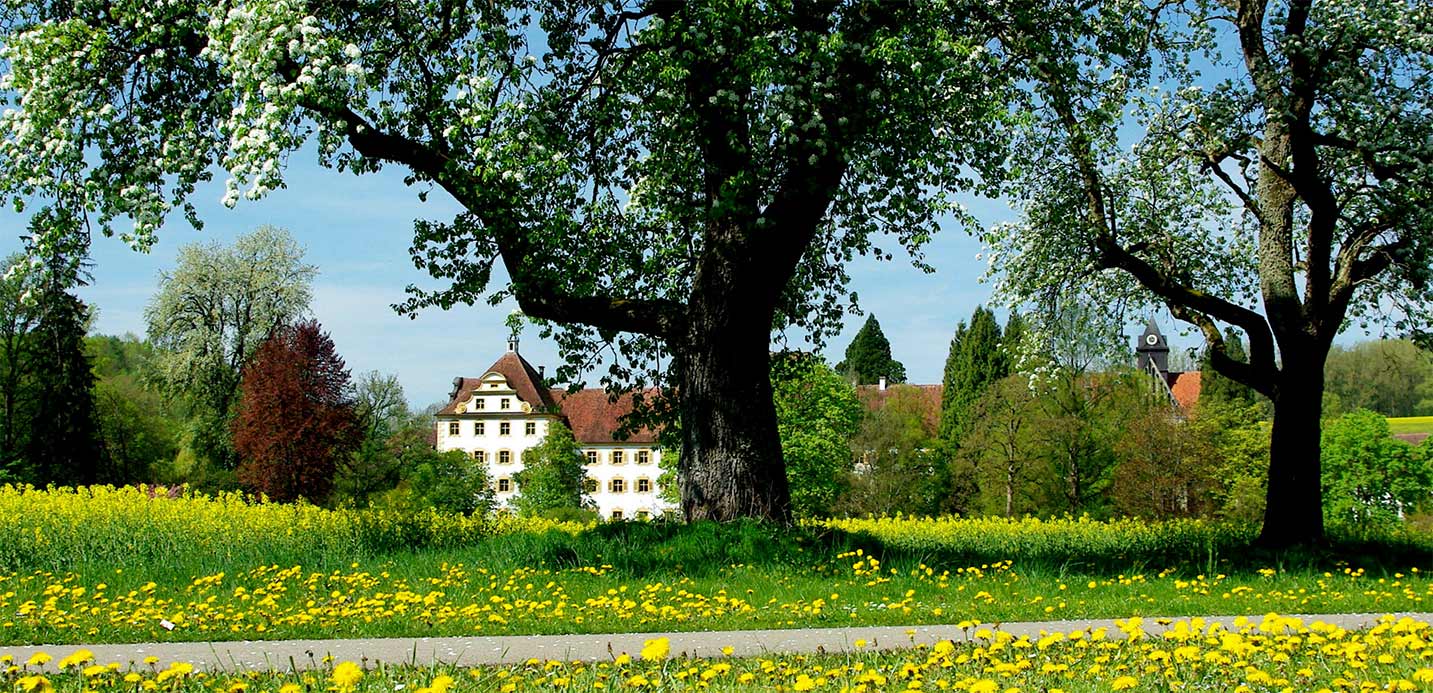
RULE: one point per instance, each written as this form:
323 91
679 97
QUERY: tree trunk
1293 510
731 465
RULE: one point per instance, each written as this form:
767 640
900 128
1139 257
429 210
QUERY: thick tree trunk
731 465
1293 511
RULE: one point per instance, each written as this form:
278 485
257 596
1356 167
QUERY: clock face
1151 339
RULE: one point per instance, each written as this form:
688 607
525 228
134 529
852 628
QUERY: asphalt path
287 655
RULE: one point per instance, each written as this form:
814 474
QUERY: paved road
285 655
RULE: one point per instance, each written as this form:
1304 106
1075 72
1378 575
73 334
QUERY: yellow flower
803 683
346 675
727 650
1423 676
79 657
622 660
38 659
440 684
984 686
1124 683
656 648
35 684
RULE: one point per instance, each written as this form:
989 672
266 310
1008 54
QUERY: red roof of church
593 417
1186 388
589 413
521 376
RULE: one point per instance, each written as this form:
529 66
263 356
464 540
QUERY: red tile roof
521 376
593 417
929 396
1186 388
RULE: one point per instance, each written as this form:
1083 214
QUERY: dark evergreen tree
868 358
63 447
976 360
1010 341
1216 388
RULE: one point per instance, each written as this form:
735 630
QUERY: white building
496 416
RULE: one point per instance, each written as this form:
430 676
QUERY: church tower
1152 348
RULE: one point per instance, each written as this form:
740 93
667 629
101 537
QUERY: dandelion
656 648
1124 683
347 675
38 659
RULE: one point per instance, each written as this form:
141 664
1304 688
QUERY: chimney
542 372
512 344
883 383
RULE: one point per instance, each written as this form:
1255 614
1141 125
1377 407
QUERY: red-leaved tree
296 415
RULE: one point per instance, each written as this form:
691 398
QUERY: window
617 486
644 486
480 457
529 428
589 485
591 457
453 428
504 428
644 457
505 403
617 514
478 427
644 515
504 457
617 457
480 403
504 485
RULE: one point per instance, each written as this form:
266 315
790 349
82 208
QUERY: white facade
491 423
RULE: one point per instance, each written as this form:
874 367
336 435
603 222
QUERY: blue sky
357 232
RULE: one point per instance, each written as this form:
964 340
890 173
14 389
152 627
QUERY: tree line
1070 427
233 387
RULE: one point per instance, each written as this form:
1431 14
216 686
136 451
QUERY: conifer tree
868 358
552 475
976 360
63 447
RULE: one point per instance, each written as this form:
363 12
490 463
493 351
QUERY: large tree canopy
1279 182
658 177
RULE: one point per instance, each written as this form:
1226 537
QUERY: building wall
628 501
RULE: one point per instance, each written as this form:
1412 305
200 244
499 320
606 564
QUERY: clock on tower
1152 347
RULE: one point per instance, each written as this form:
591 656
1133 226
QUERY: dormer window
505 403
480 403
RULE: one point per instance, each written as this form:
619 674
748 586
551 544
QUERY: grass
106 565
1411 424
1270 654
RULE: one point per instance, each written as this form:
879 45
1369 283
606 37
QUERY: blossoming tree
657 177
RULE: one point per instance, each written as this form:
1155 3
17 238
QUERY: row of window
482 403
619 457
642 485
480 428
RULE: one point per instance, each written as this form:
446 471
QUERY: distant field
1411 424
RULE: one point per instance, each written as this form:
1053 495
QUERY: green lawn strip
1411 424
416 596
